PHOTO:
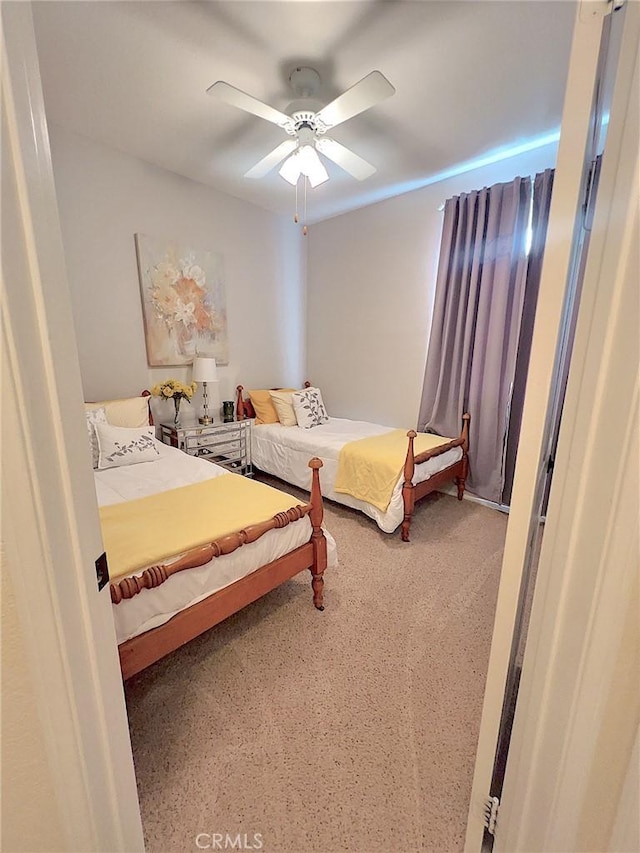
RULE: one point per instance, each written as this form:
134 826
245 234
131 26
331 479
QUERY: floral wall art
183 302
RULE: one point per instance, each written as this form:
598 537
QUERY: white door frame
563 214
50 526
579 705
524 824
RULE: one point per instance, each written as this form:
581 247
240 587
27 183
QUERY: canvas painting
183 302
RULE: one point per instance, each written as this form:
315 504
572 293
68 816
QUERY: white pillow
93 417
309 408
125 445
284 407
128 412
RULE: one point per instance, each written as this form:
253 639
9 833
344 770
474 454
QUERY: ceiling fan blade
271 160
367 93
237 98
346 159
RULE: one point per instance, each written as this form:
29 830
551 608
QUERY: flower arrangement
183 301
172 389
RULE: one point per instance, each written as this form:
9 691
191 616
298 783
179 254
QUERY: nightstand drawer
226 444
220 452
193 442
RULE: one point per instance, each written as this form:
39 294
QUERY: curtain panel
542 189
475 330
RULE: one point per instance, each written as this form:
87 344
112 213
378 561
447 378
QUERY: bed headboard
244 407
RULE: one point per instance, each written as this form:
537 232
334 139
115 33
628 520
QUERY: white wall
371 283
105 197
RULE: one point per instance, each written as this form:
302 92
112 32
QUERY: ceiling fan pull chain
304 227
295 216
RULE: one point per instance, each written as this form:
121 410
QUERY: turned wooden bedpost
408 487
464 435
239 403
146 393
307 384
317 537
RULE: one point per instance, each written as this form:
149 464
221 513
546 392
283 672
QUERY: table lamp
205 370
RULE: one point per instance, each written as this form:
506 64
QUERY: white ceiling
471 76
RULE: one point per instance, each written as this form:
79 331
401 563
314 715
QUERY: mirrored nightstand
226 444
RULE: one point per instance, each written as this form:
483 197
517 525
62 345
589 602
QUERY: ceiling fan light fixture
304 161
311 166
291 169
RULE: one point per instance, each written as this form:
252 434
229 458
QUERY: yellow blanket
146 531
369 468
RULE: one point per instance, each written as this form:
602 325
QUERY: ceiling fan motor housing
305 120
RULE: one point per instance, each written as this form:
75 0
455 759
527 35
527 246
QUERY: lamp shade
290 169
204 369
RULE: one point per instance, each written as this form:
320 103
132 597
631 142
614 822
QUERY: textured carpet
349 730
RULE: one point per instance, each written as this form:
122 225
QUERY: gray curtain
476 325
542 188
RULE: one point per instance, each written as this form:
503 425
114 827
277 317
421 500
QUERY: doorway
602 62
599 122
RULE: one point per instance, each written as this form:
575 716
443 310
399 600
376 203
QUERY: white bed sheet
285 452
173 468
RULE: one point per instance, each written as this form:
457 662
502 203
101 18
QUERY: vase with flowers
172 389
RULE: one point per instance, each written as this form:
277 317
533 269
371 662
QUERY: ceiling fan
307 125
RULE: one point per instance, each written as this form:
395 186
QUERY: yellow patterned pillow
263 405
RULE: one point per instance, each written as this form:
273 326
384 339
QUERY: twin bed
249 538
414 471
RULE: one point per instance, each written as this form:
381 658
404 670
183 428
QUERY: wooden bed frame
410 492
141 651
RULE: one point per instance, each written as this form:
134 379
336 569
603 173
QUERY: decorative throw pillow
264 408
284 407
309 408
93 417
125 445
263 405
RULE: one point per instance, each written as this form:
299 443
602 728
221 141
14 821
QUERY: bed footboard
141 651
154 576
456 472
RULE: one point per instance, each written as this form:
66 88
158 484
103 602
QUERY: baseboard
452 490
